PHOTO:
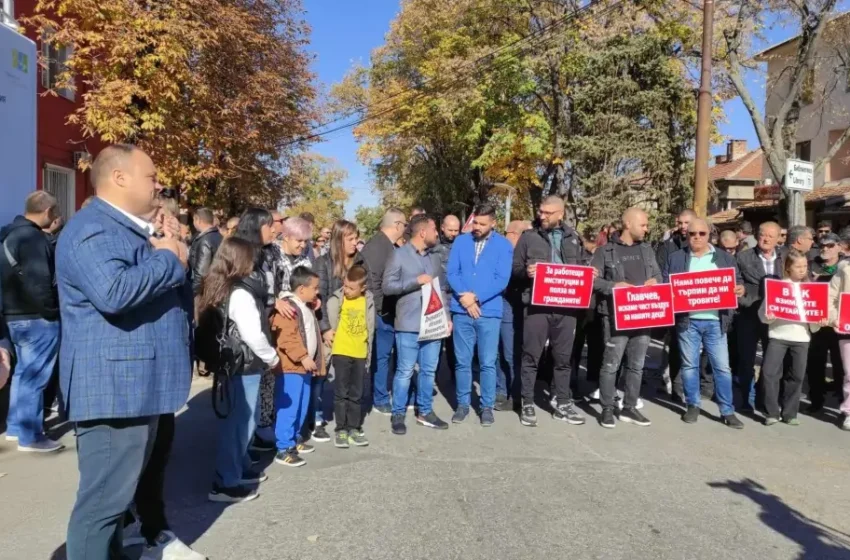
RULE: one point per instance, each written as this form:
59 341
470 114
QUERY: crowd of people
302 330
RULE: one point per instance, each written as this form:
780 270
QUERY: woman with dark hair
232 287
332 268
256 226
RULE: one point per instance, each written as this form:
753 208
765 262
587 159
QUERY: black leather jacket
201 255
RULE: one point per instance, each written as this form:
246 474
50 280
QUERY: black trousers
824 343
791 384
589 331
148 498
750 331
348 390
559 328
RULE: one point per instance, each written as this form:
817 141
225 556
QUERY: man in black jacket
762 261
628 261
376 253
204 247
31 308
552 241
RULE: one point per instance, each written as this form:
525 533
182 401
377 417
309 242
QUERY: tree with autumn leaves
218 92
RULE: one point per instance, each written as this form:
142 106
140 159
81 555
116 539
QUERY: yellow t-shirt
352 334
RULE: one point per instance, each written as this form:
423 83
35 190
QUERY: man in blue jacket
478 272
125 350
704 329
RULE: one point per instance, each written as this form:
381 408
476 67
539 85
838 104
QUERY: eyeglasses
697 233
547 213
829 245
824 230
402 223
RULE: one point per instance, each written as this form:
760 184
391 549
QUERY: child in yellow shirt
351 311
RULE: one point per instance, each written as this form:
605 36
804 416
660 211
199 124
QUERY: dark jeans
382 350
750 331
791 383
510 353
824 343
559 327
348 390
590 332
634 344
150 506
111 455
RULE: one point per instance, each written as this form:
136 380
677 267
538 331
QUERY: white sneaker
169 547
595 396
846 425
639 404
133 535
42 446
12 438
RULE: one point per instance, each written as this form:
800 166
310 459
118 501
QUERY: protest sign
711 290
562 285
433 323
842 325
803 302
643 307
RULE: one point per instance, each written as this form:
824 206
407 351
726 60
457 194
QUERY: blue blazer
126 311
487 279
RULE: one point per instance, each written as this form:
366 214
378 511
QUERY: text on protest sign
643 307
433 322
802 302
843 324
711 290
562 285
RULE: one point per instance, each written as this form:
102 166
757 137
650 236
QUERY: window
55 59
807 92
7 7
803 150
60 182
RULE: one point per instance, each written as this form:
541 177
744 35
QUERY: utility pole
704 113
508 210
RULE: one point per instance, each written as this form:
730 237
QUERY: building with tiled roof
735 176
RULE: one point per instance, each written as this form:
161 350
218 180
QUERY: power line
536 35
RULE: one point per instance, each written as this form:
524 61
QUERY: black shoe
676 398
733 422
289 458
691 415
234 495
259 445
608 420
431 420
567 413
633 416
528 417
814 408
320 434
503 403
254 477
397 422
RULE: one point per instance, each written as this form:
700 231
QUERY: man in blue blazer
478 272
125 349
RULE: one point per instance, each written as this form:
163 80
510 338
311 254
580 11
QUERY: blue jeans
37 345
507 383
707 334
468 331
317 401
409 352
235 431
384 340
291 401
110 458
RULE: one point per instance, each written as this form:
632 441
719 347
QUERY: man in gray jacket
410 268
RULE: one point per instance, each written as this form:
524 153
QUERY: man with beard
478 272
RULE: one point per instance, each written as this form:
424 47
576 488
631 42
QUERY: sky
345 32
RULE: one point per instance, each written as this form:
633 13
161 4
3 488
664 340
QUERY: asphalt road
670 491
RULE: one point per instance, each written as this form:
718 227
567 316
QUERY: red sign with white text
802 302
843 324
643 307
562 285
711 290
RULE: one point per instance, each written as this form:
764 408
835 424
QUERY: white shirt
310 327
144 224
243 311
769 263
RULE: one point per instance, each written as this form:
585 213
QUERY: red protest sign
843 324
711 290
803 302
467 227
643 307
562 285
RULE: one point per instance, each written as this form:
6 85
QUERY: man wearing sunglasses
763 261
823 229
705 329
825 341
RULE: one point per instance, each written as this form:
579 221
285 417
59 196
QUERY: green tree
368 220
317 188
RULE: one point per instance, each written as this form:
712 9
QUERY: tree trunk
795 208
